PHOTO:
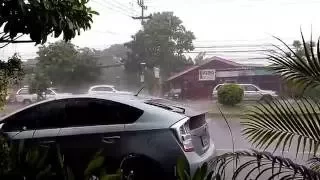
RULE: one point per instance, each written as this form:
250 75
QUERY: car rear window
197 121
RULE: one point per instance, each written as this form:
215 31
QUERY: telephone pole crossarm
143 8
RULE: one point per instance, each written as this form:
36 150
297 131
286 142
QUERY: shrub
230 94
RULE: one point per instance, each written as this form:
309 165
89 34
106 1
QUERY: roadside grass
9 108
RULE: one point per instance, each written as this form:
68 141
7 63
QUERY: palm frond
282 122
259 165
304 69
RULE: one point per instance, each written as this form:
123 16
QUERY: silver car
147 134
251 93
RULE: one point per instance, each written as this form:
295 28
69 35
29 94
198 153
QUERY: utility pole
143 8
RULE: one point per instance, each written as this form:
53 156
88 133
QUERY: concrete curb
238 115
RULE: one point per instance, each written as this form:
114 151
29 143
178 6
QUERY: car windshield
251 67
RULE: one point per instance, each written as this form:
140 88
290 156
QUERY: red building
198 81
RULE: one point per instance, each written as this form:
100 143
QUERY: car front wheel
140 168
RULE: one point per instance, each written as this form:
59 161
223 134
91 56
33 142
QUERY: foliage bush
230 94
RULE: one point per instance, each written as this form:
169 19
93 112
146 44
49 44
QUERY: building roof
206 61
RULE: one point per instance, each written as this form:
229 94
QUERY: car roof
235 83
103 85
151 113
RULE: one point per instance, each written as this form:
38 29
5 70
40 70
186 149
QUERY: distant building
197 82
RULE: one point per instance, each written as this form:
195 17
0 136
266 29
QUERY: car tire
266 98
27 101
135 167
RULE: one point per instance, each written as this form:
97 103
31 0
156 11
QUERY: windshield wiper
182 110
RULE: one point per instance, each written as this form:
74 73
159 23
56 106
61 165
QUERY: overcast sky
214 23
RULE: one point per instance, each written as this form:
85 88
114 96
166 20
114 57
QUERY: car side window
52 114
90 112
23 120
251 88
102 89
43 116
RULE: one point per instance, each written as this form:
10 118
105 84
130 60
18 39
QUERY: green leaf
94 164
269 167
182 166
70 175
197 175
111 177
281 121
302 69
44 173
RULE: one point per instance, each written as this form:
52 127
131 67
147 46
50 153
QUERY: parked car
53 93
148 135
251 93
106 89
23 95
173 94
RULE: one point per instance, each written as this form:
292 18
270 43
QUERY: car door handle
110 139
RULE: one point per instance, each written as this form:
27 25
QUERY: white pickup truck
23 95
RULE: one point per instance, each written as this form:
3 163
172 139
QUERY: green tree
293 88
38 19
10 71
282 124
61 64
117 51
230 94
162 42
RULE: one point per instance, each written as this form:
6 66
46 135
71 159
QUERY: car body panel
21 97
106 89
151 135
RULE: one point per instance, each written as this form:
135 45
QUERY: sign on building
207 74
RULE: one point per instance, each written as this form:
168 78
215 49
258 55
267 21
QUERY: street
220 134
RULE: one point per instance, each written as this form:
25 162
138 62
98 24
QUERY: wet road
221 136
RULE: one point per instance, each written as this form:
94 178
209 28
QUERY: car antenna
139 91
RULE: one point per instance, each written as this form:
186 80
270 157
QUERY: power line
239 46
232 51
112 8
111 32
125 6
119 7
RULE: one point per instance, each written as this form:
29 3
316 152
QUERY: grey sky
214 22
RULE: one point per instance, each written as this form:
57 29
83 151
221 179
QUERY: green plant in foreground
230 94
281 125
200 174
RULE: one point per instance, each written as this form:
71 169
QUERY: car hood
124 92
268 92
64 94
